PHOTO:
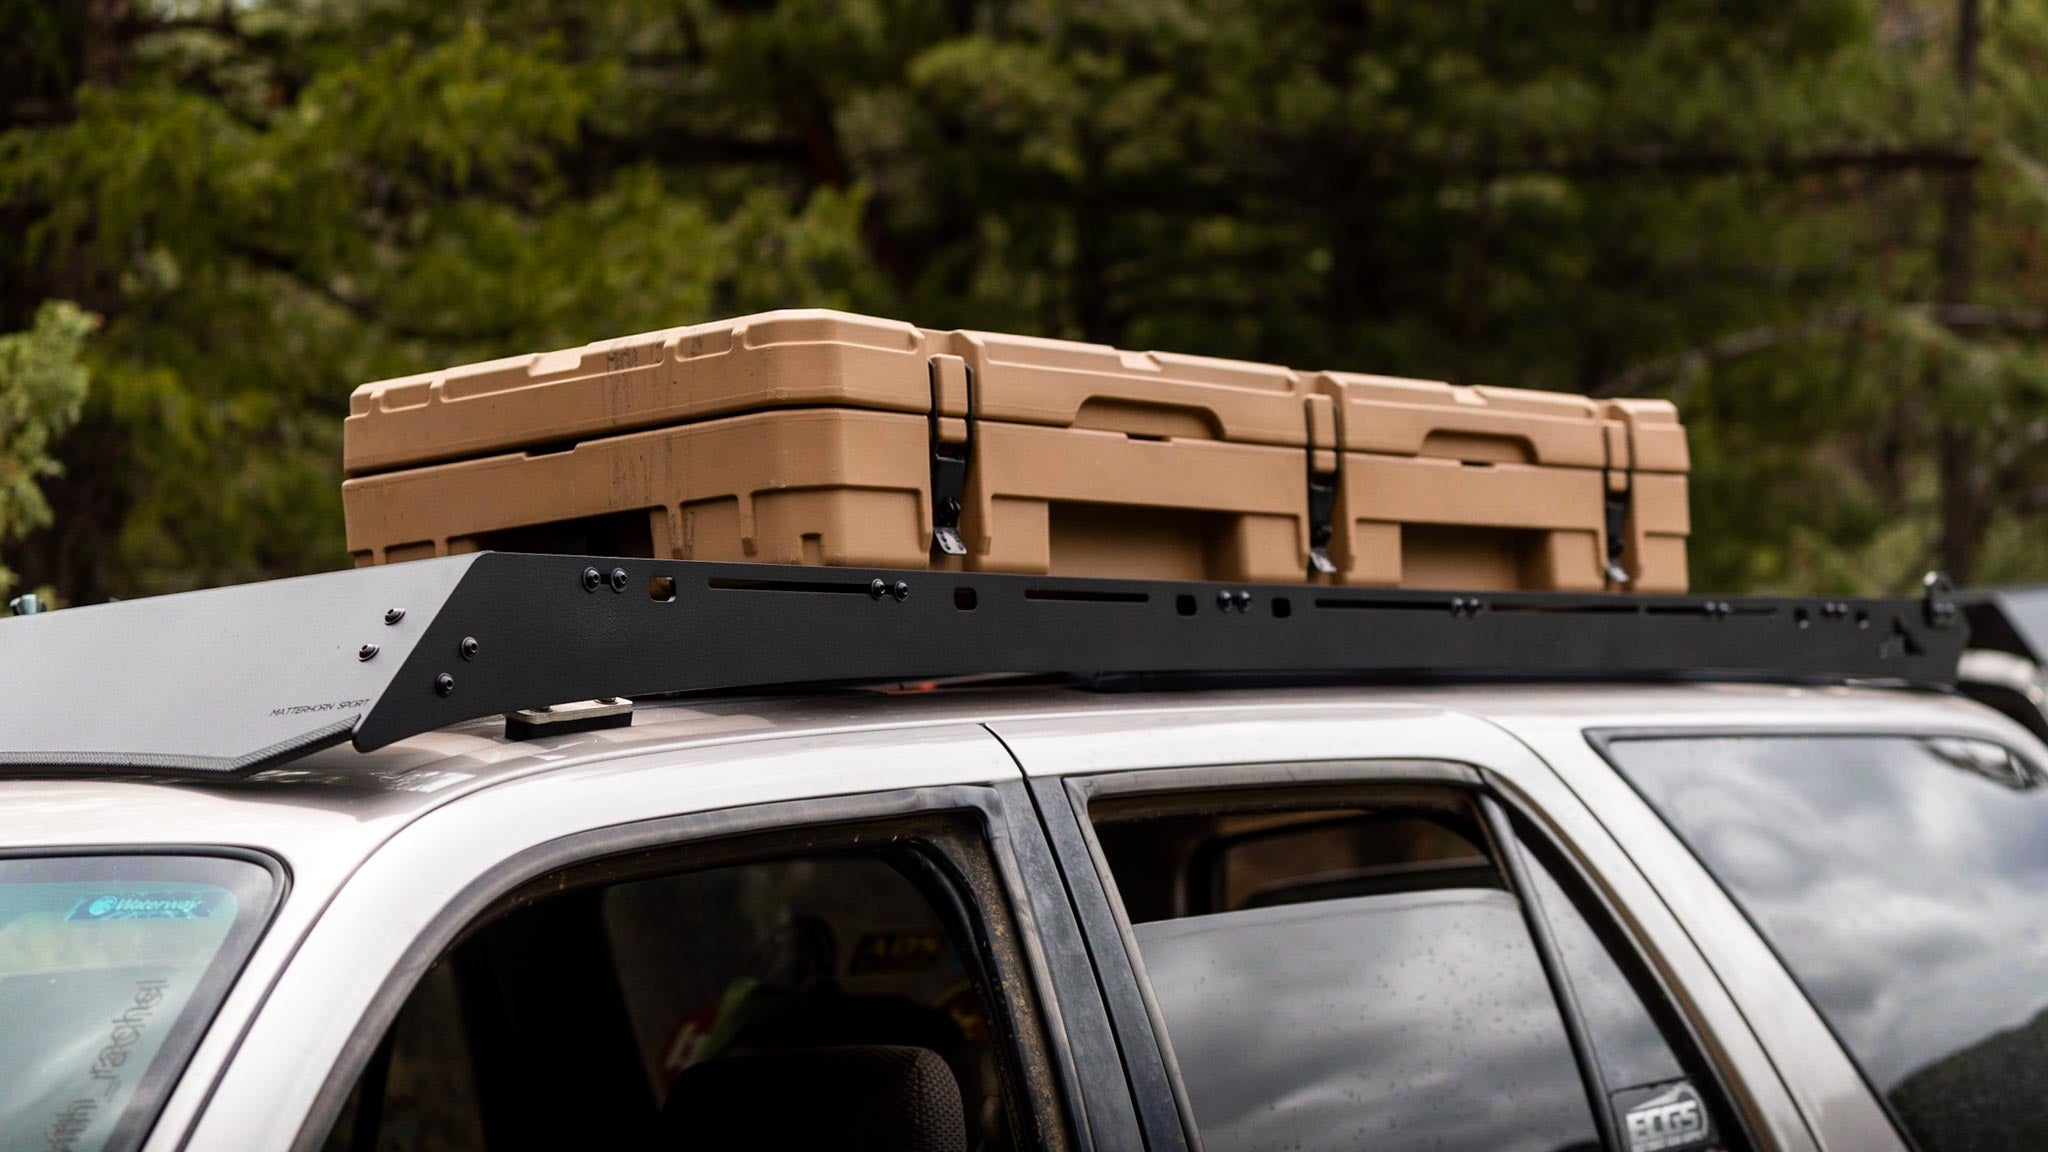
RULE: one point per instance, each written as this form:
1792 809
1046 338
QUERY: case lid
1028 380
674 376
1645 436
807 358
1400 417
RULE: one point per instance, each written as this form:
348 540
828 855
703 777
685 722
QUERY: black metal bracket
1938 599
544 639
1618 508
1322 505
1322 487
950 463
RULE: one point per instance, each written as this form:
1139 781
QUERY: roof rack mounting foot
563 719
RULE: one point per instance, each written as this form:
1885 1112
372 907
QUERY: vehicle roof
346 801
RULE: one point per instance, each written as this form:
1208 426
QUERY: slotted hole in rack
732 584
1085 595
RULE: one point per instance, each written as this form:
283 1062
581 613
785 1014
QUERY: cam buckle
950 459
1618 507
1321 416
1322 505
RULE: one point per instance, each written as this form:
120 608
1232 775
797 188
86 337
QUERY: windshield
110 967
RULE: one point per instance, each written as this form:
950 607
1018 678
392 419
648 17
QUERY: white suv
1497 915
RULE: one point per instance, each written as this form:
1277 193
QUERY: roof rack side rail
227 681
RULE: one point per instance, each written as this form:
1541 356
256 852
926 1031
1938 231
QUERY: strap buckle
950 462
1618 507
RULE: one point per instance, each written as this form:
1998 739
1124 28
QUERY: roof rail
228 681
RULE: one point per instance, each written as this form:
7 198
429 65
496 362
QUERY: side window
1658 1097
774 1000
1904 883
1347 968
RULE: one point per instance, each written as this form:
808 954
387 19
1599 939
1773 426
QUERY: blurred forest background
1821 226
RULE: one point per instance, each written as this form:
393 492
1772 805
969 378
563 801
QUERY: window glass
598 1016
1904 882
1344 977
1629 1046
1654 1095
810 951
1173 864
429 1098
110 966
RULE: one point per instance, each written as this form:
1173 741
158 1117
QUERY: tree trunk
1088 280
108 33
1966 494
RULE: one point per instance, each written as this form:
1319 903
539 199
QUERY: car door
836 931
1337 926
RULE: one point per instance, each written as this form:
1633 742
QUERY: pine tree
1818 226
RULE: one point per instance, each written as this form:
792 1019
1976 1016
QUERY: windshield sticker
145 906
1662 1117
109 1073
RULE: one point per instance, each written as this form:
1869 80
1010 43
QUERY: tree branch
1749 341
1657 160
365 311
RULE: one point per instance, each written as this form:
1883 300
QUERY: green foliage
42 387
1751 207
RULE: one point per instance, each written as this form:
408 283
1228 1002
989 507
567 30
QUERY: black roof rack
231 680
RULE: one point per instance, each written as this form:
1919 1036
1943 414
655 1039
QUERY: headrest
864 1098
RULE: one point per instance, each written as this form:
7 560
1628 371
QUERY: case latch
1323 440
1322 503
1617 484
952 441
1618 501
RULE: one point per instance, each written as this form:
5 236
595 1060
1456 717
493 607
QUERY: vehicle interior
825 999
1170 863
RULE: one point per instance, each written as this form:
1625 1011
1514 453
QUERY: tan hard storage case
1486 488
818 437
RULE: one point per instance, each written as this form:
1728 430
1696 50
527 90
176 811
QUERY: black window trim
219 981
1603 741
1507 849
1068 1091
1146 1062
1524 821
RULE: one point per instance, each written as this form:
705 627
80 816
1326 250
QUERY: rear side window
1904 882
1354 977
110 968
